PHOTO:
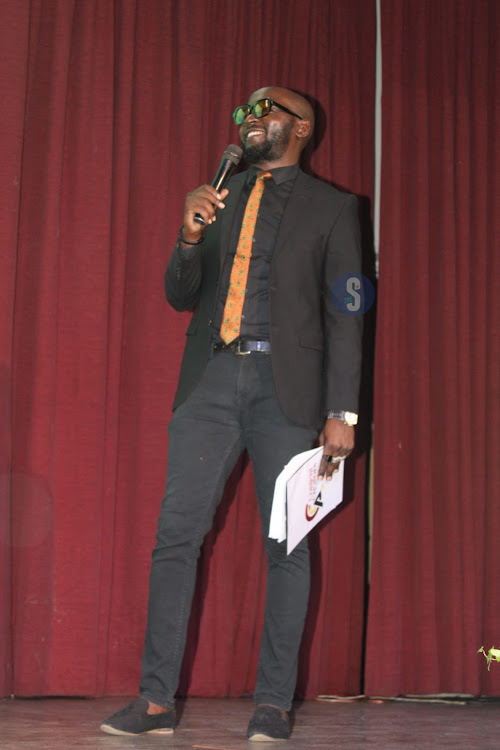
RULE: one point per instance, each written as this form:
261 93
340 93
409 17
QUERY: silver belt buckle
238 349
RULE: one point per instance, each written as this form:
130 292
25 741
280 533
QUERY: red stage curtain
112 111
435 592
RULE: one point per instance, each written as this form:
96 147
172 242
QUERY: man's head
275 139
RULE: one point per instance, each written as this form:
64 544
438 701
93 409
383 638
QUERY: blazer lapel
296 208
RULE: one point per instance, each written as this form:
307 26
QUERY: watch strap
348 417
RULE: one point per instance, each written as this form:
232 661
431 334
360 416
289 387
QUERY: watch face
350 418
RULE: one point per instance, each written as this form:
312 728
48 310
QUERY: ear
303 129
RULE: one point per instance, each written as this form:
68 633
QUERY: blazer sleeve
343 330
183 277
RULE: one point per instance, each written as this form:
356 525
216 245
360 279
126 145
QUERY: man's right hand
204 201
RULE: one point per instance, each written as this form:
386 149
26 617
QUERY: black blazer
315 349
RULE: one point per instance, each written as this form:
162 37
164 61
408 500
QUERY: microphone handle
224 172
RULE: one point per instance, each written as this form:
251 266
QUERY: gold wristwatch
347 417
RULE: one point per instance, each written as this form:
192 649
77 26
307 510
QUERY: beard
272 149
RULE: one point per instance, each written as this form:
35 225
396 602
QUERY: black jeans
233 407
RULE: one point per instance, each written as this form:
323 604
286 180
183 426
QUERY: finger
329 465
202 204
332 468
203 201
207 192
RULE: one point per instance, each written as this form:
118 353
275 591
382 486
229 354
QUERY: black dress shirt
255 315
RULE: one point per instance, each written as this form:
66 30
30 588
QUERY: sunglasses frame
251 108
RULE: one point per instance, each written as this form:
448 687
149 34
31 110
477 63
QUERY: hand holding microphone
202 202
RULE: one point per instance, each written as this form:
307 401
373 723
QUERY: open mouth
254 133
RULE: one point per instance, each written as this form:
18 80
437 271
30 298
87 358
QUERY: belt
244 347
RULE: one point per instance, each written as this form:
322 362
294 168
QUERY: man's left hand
337 439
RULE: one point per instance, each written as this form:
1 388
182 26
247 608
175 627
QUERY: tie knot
264 176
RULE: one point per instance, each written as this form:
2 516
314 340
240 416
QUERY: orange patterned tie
231 318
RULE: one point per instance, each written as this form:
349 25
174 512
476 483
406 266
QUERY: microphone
230 160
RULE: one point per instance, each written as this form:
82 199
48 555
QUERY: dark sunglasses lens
240 114
262 108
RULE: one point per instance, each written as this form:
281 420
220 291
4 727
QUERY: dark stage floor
220 724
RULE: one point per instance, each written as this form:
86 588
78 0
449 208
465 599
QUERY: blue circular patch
353 294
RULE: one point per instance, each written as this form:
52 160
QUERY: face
264 142
268 139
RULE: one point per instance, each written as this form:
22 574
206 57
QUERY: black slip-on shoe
269 723
134 719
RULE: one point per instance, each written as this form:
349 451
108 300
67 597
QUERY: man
269 365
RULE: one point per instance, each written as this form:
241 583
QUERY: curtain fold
115 110
13 73
435 590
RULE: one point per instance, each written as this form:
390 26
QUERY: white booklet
301 500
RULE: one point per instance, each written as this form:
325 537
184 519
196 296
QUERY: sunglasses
259 109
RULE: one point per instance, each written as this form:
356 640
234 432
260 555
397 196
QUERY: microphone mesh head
233 153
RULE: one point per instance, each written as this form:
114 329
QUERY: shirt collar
279 174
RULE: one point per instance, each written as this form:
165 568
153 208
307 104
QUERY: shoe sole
111 730
265 738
